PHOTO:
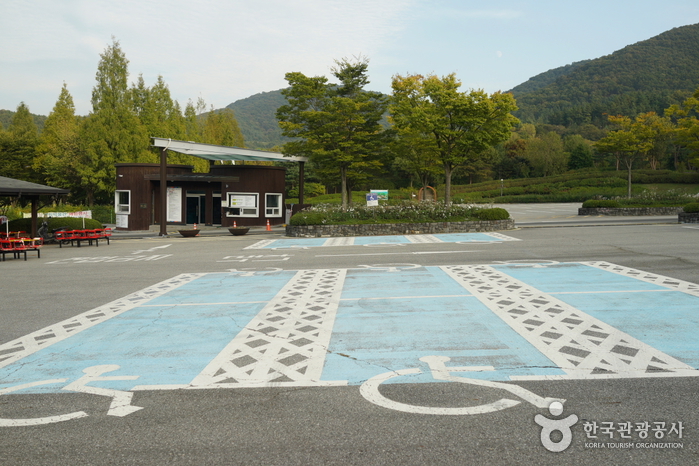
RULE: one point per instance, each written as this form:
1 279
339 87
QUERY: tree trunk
447 184
629 164
343 189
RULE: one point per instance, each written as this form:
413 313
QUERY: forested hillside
255 115
647 76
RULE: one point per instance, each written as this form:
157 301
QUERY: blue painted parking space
325 327
290 243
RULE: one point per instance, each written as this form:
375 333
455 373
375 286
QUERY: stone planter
685 217
238 231
318 231
629 211
189 233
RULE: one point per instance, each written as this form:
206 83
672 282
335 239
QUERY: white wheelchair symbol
121 400
370 390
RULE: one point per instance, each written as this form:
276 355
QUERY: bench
79 236
19 246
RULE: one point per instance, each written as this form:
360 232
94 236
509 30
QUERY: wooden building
248 195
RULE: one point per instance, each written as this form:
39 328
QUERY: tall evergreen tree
59 148
112 133
18 147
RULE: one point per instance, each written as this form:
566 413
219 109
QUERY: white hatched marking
340 241
17 349
286 342
261 244
423 239
661 280
502 237
582 346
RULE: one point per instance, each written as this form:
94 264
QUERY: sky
226 50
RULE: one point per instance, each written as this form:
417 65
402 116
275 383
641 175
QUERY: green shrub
25 224
595 203
692 208
492 214
306 217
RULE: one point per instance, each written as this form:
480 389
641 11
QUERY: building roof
213 152
13 187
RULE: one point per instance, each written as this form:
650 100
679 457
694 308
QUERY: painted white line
622 375
391 253
370 391
223 303
121 400
41 420
654 278
15 350
37 420
261 244
295 384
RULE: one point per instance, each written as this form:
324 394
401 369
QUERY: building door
196 207
216 208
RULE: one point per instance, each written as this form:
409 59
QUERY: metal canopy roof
13 187
213 152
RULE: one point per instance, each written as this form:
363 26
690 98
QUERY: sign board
242 200
372 199
174 204
381 193
3 219
122 221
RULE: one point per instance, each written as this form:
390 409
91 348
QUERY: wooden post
163 192
301 176
35 214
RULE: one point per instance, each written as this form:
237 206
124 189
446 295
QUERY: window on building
273 205
122 202
242 205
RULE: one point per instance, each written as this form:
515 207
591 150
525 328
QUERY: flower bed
378 229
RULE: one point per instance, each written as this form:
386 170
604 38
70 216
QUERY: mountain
7 115
257 119
647 76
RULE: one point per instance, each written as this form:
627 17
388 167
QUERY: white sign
242 200
174 204
122 221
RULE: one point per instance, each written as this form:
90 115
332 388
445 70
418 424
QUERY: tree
338 126
459 125
221 127
580 152
112 133
18 146
59 148
162 117
687 129
546 155
628 143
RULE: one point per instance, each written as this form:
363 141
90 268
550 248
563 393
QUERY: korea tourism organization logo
549 426
557 434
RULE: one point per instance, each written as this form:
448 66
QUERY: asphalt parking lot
266 350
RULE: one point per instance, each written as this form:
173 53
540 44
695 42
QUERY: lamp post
502 186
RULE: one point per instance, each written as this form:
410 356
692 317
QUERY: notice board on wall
174 204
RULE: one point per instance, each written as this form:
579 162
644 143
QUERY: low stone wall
684 217
630 211
398 228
